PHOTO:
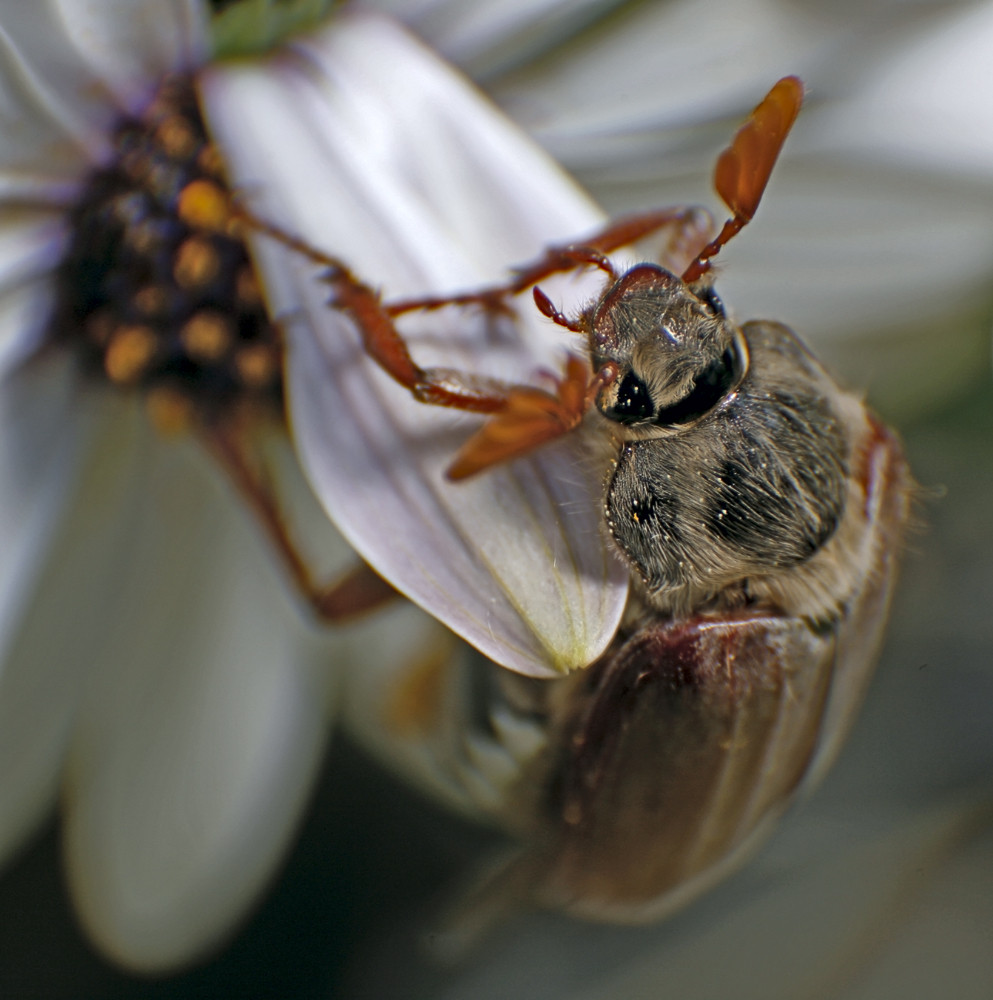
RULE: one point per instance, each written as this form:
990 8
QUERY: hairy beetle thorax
752 491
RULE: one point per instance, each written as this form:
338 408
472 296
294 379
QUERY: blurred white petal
200 735
47 425
929 102
422 188
402 701
25 288
41 448
487 36
48 98
674 69
868 248
876 219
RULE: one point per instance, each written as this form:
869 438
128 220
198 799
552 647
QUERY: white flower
875 235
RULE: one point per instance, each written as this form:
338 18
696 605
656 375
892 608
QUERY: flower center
156 301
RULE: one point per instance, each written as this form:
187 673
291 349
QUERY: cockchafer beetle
761 510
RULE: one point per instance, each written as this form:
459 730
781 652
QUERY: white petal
200 736
422 188
876 219
927 100
48 606
484 36
30 244
671 80
131 47
841 245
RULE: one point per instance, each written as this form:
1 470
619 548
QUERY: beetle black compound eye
632 403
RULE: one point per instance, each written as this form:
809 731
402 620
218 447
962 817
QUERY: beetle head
672 351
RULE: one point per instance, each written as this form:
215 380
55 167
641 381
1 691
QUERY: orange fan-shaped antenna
743 169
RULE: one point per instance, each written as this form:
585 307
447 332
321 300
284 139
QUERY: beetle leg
382 340
386 346
687 223
524 417
532 417
359 591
